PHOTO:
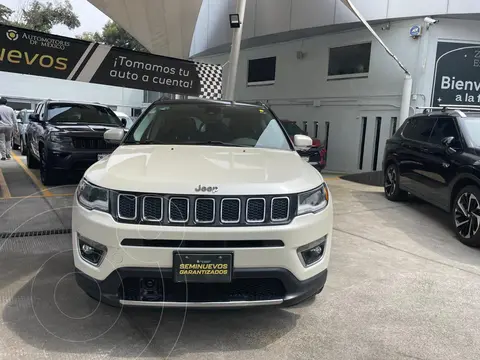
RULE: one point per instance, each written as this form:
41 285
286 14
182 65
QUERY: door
440 162
36 129
413 158
17 135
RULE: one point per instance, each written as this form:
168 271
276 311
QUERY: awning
164 27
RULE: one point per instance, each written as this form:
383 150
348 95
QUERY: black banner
457 74
34 53
144 71
30 52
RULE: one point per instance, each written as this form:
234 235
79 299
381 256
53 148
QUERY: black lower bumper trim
257 284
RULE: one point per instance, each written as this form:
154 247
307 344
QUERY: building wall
28 88
266 17
302 92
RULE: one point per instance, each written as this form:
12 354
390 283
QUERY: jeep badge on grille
210 189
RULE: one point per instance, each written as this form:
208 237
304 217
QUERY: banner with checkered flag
210 81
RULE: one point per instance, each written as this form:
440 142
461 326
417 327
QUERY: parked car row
66 138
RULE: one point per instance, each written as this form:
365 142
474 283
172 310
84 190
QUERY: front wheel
466 216
47 174
391 184
32 162
23 148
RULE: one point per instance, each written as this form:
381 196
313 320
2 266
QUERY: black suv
436 156
66 137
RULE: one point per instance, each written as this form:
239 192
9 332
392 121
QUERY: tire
14 146
466 216
391 184
23 148
32 163
47 174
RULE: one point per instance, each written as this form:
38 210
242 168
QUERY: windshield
292 128
471 127
59 113
207 124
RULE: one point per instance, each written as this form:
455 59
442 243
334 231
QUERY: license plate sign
306 158
202 268
101 156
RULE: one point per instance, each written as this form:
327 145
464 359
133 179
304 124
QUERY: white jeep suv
203 204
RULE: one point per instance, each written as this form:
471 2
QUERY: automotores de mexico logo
12 35
30 52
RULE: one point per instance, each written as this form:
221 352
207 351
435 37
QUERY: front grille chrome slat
280 209
152 209
178 210
230 210
255 212
127 207
205 210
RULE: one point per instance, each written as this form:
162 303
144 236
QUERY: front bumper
275 271
70 159
293 291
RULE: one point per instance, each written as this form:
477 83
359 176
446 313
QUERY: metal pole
349 4
406 96
235 52
408 83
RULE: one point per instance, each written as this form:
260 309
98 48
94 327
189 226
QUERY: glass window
262 70
419 128
82 113
209 124
349 60
471 127
445 127
292 128
40 110
25 116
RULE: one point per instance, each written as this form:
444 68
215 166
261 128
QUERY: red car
316 155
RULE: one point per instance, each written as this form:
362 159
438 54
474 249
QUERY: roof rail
445 108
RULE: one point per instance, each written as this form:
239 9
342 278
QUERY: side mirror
448 141
114 136
124 122
34 117
302 141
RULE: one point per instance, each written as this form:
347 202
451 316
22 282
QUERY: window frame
263 82
362 75
407 122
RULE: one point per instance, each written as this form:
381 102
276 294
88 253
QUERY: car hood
180 169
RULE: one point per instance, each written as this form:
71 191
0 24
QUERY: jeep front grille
92 143
187 210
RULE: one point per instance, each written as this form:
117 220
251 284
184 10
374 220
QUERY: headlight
313 201
62 139
92 197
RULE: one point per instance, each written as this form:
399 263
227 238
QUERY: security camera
430 21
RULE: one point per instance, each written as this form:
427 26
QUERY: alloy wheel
467 215
390 181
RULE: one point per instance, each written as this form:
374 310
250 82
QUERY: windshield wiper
212 142
141 142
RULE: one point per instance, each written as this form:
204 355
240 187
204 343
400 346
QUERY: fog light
312 253
91 251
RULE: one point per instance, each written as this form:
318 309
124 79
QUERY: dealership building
313 61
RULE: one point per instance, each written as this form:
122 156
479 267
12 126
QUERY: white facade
29 90
302 90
